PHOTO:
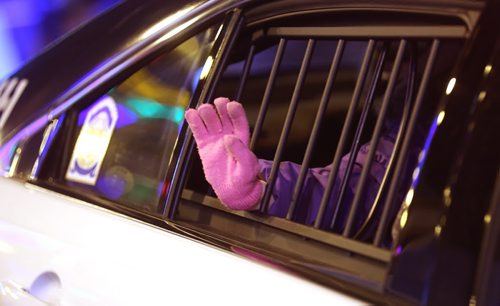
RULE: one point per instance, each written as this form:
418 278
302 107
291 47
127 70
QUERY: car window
338 120
122 144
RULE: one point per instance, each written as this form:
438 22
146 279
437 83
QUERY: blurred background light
27 26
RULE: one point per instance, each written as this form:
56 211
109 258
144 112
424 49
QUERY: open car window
315 107
339 117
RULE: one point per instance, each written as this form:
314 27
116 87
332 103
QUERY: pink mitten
222 136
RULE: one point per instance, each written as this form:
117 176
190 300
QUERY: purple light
398 250
125 115
427 144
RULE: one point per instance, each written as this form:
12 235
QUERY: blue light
9 59
427 144
27 26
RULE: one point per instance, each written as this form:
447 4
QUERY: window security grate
379 42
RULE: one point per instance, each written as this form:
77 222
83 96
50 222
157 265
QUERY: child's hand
222 135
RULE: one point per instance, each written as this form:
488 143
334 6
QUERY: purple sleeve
315 182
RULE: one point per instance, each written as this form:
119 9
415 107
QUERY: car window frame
71 113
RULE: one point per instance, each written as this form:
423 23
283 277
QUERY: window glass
124 141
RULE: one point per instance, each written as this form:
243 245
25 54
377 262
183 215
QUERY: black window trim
372 31
464 12
186 144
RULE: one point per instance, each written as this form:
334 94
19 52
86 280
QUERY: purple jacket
316 180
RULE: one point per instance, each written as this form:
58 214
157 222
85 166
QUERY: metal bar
407 141
345 132
397 146
287 125
357 136
317 122
444 31
246 71
267 93
375 138
179 176
316 127
352 246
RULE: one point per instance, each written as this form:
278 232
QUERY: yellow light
447 192
487 69
481 96
487 218
167 22
206 67
437 230
447 196
451 85
409 197
472 300
15 161
404 218
440 117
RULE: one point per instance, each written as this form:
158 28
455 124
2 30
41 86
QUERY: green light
178 114
146 108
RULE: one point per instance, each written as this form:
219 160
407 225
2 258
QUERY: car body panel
103 258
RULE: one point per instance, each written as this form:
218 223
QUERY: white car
103 198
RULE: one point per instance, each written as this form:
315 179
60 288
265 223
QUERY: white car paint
67 252
10 92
